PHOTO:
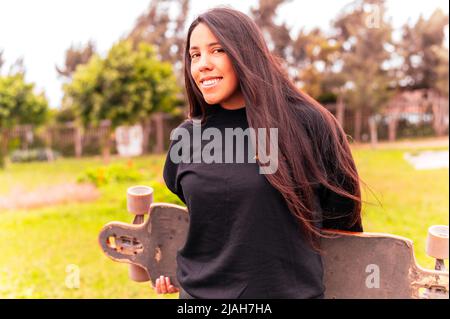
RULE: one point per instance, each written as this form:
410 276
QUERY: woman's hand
163 286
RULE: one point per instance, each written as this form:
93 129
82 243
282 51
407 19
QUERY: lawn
37 245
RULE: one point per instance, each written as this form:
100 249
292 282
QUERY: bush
33 155
112 173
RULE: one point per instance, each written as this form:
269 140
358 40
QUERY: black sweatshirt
243 242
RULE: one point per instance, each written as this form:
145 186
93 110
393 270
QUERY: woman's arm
171 168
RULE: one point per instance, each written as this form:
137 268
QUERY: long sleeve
170 175
171 169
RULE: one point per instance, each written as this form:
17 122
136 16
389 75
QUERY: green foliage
425 54
366 50
125 87
64 115
114 173
18 102
2 159
327 97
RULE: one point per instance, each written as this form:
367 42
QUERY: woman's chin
212 101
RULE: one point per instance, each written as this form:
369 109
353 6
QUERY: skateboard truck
139 199
437 247
149 245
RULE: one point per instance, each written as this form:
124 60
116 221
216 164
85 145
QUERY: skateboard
356 265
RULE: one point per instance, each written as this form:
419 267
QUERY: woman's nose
205 63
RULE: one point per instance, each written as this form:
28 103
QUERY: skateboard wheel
138 274
437 242
139 199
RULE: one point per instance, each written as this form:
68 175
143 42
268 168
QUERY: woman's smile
210 83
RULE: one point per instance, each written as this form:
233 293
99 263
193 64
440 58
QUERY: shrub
32 155
112 173
2 160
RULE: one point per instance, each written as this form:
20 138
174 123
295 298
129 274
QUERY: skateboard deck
356 265
376 266
152 245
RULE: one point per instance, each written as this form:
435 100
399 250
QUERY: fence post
77 141
340 110
147 128
159 119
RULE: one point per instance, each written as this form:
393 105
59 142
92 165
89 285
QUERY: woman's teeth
210 83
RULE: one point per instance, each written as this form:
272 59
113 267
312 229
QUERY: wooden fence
409 115
70 139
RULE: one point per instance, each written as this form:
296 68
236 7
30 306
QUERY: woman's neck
235 102
231 108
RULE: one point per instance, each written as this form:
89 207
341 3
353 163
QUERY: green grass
37 245
401 200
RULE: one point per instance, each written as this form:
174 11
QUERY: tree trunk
373 131
358 125
3 146
48 144
159 119
106 151
392 128
78 142
440 111
147 128
340 110
107 136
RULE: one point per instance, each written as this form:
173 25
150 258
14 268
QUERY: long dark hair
313 149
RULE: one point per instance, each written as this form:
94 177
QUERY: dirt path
49 195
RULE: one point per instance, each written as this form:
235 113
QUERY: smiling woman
212 70
255 234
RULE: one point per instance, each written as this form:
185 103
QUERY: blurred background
90 91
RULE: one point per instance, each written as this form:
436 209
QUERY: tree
425 64
19 104
423 51
165 32
74 57
124 88
366 39
319 67
277 35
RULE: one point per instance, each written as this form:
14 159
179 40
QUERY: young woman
254 235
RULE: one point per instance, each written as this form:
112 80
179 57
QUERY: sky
40 31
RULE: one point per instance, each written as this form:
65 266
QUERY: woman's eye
219 50
194 55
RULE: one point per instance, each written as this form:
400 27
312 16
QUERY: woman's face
212 70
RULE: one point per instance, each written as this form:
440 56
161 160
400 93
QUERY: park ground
40 243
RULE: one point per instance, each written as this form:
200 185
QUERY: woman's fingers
171 288
158 286
167 280
163 286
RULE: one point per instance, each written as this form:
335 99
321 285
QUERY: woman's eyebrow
209 45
